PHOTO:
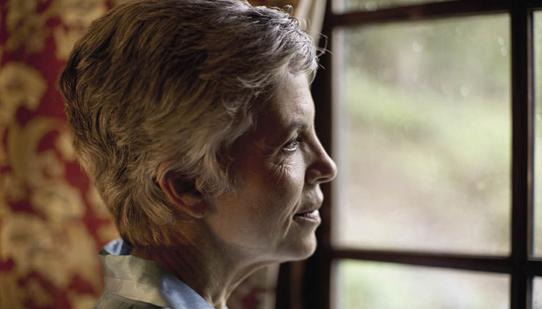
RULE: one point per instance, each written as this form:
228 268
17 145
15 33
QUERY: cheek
287 182
271 194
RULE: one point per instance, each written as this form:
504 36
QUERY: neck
213 272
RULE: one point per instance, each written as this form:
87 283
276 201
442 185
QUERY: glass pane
372 5
537 293
424 136
379 285
538 134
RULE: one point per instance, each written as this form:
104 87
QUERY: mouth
310 216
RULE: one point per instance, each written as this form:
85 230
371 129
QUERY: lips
308 216
309 213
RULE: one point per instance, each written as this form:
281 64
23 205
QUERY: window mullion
522 140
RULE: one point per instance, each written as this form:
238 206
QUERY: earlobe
183 195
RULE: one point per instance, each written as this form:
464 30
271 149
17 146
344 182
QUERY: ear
182 194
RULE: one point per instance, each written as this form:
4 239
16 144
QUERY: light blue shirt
133 282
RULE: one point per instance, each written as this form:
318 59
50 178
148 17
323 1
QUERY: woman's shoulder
113 301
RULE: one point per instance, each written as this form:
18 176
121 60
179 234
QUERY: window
431 112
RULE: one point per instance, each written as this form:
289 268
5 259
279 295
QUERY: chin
301 250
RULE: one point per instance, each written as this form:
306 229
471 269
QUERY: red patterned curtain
52 221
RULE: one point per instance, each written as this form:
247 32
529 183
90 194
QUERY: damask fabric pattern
52 221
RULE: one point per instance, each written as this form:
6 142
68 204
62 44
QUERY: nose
323 168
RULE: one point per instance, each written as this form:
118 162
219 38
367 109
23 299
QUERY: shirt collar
143 280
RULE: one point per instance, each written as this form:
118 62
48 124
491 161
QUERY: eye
292 144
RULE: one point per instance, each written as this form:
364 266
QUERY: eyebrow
297 124
282 134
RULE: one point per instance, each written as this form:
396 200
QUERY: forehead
290 110
291 105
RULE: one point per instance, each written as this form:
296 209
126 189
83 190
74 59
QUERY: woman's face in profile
272 213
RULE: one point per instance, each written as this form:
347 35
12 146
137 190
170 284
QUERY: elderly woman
195 121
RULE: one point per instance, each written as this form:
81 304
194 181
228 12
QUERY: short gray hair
173 82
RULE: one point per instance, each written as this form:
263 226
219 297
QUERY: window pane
537 293
424 136
379 285
538 134
371 5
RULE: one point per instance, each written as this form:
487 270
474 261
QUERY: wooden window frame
308 284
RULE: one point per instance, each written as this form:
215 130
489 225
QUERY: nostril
324 170
330 171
